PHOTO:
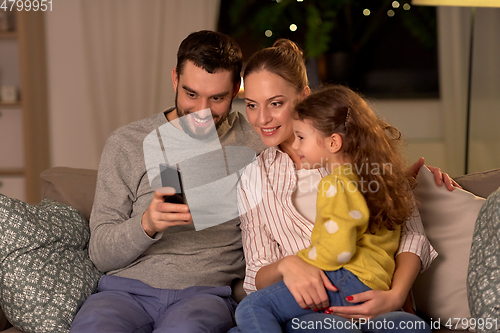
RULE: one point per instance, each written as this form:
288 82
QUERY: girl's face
312 148
269 104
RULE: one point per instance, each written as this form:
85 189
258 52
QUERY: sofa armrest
481 184
12 330
4 322
71 186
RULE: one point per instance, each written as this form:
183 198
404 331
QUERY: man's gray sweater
179 257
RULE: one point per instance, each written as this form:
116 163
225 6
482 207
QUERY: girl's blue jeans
274 309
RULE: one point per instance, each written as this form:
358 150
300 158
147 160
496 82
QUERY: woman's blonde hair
373 147
285 59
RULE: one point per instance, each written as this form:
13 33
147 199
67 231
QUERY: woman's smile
268 131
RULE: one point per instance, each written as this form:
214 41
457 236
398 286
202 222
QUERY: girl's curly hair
373 147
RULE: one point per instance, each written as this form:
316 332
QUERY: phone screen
171 177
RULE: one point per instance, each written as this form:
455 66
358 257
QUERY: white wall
109 63
485 102
69 106
421 124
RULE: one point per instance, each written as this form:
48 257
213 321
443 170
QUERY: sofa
442 212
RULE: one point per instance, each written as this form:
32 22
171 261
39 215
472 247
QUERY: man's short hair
211 51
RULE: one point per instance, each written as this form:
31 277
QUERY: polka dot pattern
344 257
355 214
331 227
313 254
332 191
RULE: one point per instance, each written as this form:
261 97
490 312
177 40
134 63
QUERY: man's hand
160 215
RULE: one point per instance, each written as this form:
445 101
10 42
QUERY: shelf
11 172
10 105
8 34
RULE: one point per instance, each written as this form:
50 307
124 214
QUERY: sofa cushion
448 217
46 273
73 187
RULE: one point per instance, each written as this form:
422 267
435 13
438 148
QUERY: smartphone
171 177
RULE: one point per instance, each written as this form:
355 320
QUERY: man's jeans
126 305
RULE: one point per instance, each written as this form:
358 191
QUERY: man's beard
191 129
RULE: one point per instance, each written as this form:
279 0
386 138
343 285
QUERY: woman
278 202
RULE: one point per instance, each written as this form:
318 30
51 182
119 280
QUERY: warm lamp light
459 3
473 4
241 92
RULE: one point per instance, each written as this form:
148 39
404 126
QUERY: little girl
360 205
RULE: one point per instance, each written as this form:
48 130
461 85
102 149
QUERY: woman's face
269 104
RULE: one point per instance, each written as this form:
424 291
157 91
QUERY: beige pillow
448 217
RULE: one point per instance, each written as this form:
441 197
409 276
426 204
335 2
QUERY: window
385 49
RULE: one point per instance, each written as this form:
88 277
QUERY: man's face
201 97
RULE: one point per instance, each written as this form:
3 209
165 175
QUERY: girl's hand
306 282
374 303
438 175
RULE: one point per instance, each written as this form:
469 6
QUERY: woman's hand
440 176
374 303
306 282
377 302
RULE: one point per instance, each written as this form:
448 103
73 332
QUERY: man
161 273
